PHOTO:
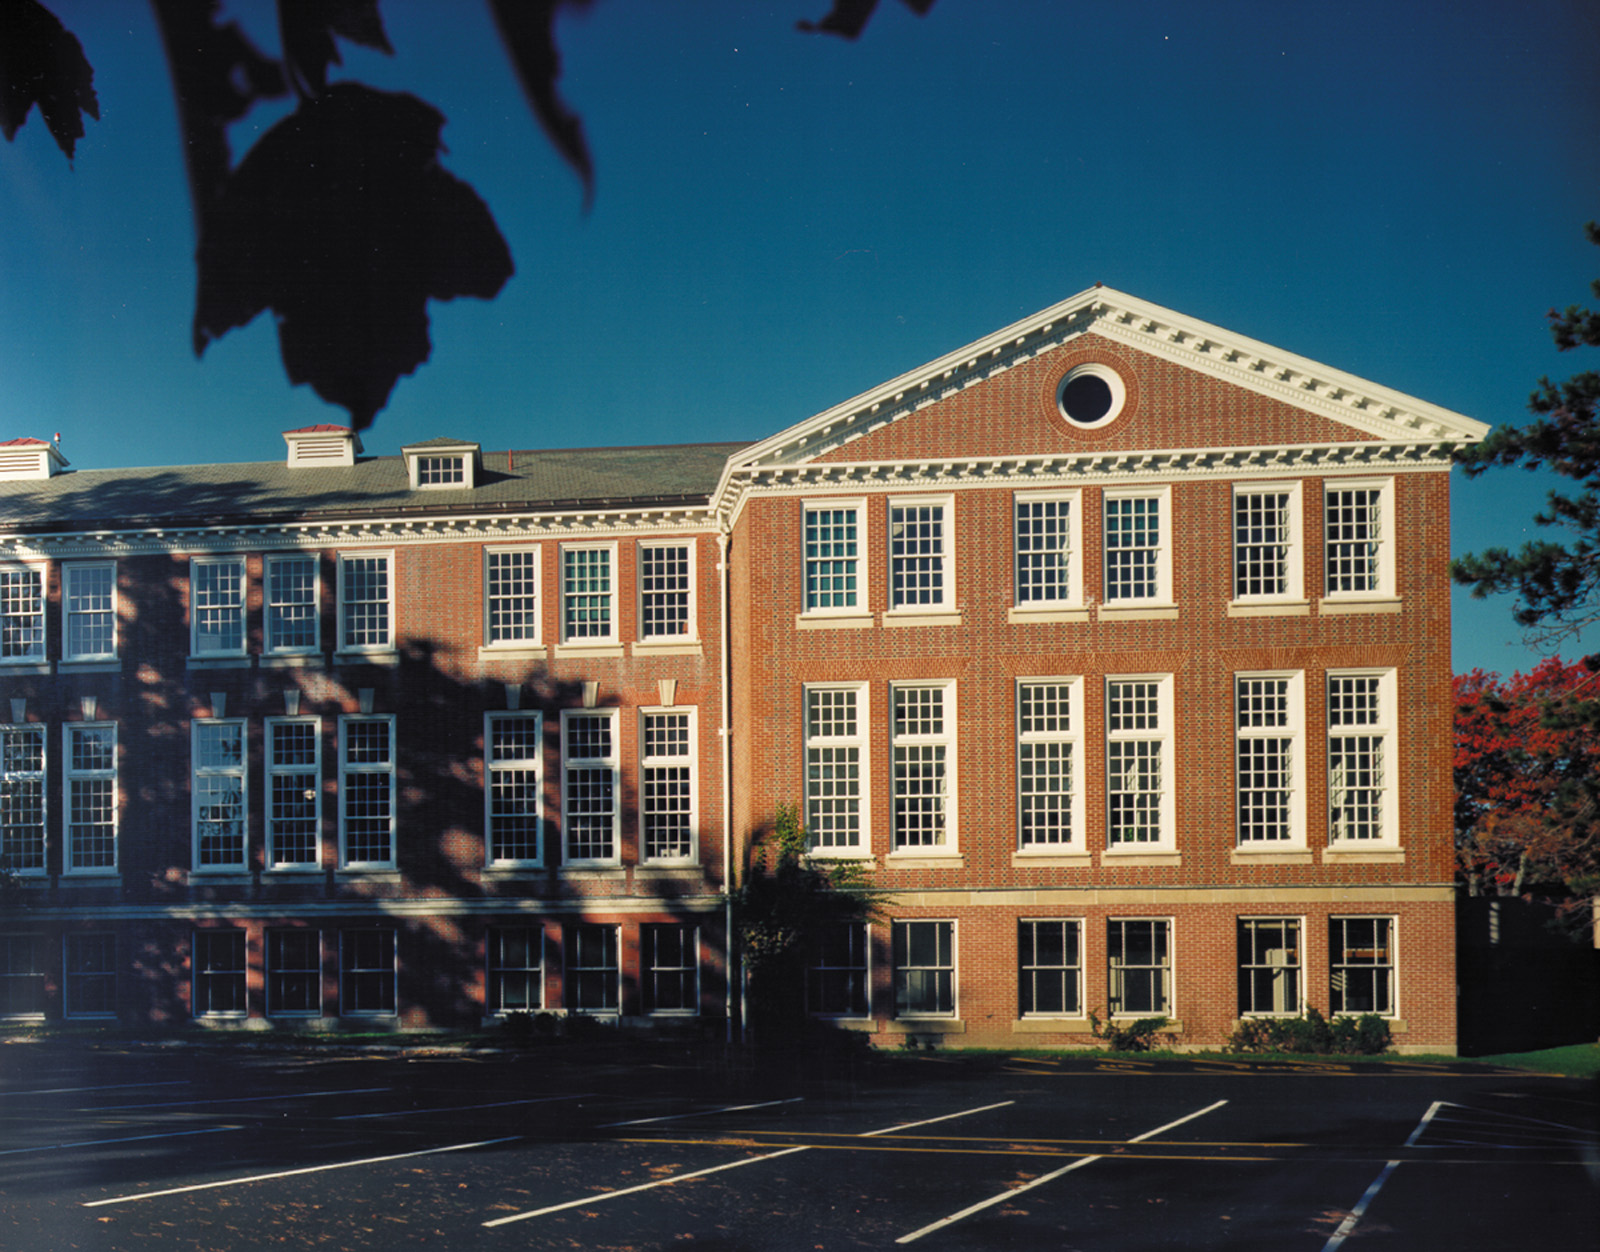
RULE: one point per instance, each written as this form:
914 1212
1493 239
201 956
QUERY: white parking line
1356 1214
678 1117
95 1143
457 1108
1050 1177
116 1086
285 1095
295 1173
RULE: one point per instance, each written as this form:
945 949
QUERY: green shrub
1138 1035
1367 1035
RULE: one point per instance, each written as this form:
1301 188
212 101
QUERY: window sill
666 870
585 873
1364 856
1051 1026
1270 856
104 665
846 1023
603 648
826 621
514 869
925 1026
217 662
667 647
1042 860
900 617
1270 608
512 652
27 666
924 860
290 871
290 660
376 657
1115 856
1138 613
375 873
91 878
219 873
1020 615
1371 604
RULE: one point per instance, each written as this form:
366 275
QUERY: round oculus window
1090 395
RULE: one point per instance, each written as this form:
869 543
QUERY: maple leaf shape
342 221
42 62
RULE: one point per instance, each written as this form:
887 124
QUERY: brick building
1118 643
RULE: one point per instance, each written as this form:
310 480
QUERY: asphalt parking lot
111 1149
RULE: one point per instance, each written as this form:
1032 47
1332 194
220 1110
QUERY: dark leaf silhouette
342 222
849 18
528 30
42 63
308 29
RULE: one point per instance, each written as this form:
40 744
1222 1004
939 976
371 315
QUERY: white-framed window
836 723
1268 561
292 594
91 795
1050 967
1139 791
594 969
923 954
1137 538
832 534
516 969
511 597
90 967
1269 966
921 539
668 819
1268 720
669 968
449 470
21 614
367 973
1358 538
294 973
366 602
216 606
22 976
838 970
1361 965
514 789
590 756
22 798
294 792
588 593
1139 967
666 591
923 744
219 973
1362 791
366 791
1047 537
89 611
218 794
1050 797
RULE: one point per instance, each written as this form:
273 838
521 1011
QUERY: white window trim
691 762
272 770
1294 591
569 948
36 730
394 953
514 645
1073 738
490 766
114 773
1167 842
414 462
1394 1013
1171 1011
1074 594
388 646
645 970
614 764
947 553
345 721
1388 729
196 974
864 929
1163 597
490 968
1083 950
1298 919
613 635
39 654
267 605
954 1012
860 608
952 844
1295 733
1385 590
692 551
67 571
67 977
195 565
862 742
271 1007
198 771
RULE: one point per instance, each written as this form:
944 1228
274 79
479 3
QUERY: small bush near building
1138 1035
1366 1035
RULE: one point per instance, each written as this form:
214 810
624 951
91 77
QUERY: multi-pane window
294 792
1361 965
218 795
832 547
90 967
1136 552
1047 551
1266 738
216 606
22 798
1049 801
924 959
91 794
22 980
1269 965
1138 792
367 972
923 733
511 582
516 969
366 791
89 607
514 791
837 982
589 761
1266 553
919 554
669 968
594 970
21 613
836 767
291 595
294 972
666 578
1139 967
1050 967
1359 724
588 595
441 471
1357 543
366 602
219 973
666 785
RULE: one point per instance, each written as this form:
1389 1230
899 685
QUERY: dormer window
441 471
448 464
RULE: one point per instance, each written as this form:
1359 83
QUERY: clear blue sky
1393 187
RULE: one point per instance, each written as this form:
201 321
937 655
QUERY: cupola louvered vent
322 445
30 458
